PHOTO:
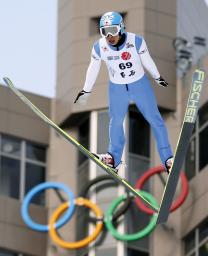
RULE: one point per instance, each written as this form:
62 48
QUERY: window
10 145
7 253
139 134
10 253
10 177
196 242
35 152
139 145
22 166
138 163
35 174
196 158
83 138
133 252
82 213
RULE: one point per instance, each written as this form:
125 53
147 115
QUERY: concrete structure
186 231
20 130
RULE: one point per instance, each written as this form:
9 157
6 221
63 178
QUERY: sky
28 31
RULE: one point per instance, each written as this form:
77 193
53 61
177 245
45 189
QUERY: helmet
111 23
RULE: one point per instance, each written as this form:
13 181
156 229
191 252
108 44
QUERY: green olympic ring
130 237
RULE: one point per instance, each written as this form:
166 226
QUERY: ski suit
128 83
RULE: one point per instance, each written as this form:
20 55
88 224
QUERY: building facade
32 153
24 147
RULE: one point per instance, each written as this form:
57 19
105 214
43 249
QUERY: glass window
190 163
35 152
10 145
196 158
189 242
7 253
203 250
13 152
138 163
83 139
196 243
203 114
9 177
203 142
203 230
141 220
82 214
139 134
133 252
35 175
193 254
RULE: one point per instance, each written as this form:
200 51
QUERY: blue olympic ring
43 186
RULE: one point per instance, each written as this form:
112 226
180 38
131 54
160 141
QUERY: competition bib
124 66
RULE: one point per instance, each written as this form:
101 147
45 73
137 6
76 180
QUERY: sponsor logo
94 57
112 71
142 52
113 57
193 103
129 45
107 19
105 49
125 56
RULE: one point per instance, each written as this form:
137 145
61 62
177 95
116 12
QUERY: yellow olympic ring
78 244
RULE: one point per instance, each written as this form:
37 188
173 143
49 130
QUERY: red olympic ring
158 169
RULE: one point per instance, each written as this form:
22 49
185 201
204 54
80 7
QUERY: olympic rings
130 237
99 220
158 169
43 186
99 179
83 242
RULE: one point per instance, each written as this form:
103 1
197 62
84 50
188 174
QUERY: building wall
14 235
15 116
19 121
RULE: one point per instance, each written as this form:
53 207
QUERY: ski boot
108 160
168 164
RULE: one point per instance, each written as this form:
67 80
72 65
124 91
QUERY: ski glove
82 97
160 81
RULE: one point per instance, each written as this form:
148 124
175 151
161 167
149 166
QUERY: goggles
110 30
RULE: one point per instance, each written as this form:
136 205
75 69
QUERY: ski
73 141
182 145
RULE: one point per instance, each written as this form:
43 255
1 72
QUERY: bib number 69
123 66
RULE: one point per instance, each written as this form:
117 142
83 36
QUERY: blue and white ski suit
128 83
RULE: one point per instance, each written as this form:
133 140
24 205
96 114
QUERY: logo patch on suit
104 48
113 57
94 57
129 45
142 52
112 71
126 56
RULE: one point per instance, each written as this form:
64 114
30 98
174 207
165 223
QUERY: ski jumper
128 83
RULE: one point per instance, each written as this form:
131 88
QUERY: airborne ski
82 149
182 145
